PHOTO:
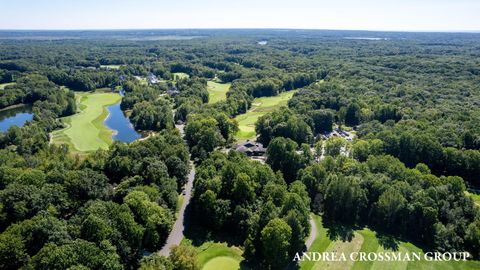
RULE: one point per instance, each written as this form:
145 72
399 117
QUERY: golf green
86 131
224 263
213 255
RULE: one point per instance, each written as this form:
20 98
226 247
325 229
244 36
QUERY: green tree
322 121
184 258
335 146
155 262
276 240
352 115
76 253
282 156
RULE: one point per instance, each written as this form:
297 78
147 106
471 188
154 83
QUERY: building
152 78
173 91
251 148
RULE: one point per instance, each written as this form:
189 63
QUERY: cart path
313 233
176 235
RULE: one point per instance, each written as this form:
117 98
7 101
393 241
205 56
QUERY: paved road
313 233
176 235
308 242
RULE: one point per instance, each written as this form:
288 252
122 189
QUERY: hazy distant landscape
238 148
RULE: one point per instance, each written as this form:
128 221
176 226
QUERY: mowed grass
86 131
3 85
366 240
475 197
213 256
111 66
223 262
260 107
217 91
180 75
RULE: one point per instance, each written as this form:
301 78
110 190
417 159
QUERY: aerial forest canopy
381 133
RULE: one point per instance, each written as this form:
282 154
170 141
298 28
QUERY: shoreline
15 106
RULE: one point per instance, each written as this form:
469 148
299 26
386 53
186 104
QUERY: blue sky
409 15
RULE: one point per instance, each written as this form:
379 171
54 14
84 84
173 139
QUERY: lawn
143 80
180 75
475 197
366 240
3 85
86 130
213 256
111 66
260 107
217 91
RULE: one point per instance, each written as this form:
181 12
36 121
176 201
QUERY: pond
17 116
122 128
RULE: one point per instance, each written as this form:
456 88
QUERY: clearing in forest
217 91
3 85
111 66
368 241
475 197
260 107
85 130
180 75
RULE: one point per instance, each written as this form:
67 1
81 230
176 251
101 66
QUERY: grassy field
366 240
86 131
213 256
142 80
217 91
3 85
260 107
180 75
475 197
110 66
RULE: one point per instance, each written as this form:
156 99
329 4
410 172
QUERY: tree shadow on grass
199 234
388 242
337 231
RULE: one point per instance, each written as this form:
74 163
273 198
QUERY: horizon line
238 28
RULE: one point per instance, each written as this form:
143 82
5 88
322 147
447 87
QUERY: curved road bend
308 242
176 235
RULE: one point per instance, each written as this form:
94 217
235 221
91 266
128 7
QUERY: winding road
176 235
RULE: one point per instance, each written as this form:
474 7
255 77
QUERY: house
251 148
152 78
173 91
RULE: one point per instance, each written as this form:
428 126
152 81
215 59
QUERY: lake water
367 38
119 123
15 117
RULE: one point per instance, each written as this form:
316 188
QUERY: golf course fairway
367 241
85 130
217 91
260 107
